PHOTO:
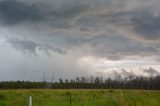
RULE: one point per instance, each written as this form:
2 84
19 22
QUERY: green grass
80 97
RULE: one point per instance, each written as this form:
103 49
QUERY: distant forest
147 83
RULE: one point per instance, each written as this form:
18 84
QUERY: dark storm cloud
23 45
70 30
27 46
74 18
117 47
13 12
146 24
112 46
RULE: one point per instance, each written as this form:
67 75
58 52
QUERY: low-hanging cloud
27 46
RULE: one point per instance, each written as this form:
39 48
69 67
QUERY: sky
73 38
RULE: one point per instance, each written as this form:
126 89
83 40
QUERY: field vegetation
80 97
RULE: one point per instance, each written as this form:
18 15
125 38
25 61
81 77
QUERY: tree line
147 83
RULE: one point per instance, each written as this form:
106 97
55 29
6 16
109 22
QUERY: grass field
80 97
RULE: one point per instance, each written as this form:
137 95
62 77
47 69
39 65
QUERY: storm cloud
63 32
13 12
32 47
147 24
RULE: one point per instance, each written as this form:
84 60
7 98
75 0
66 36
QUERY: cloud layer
111 29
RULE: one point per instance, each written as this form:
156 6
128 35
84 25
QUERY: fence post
70 100
94 96
30 101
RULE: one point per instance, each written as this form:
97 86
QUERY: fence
72 100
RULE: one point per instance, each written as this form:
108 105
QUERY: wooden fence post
94 96
70 100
